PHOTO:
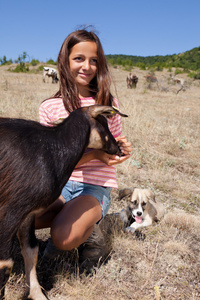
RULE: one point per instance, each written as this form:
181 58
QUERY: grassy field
164 128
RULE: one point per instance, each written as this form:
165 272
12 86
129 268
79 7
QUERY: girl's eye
94 61
78 58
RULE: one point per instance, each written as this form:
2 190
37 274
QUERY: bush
194 75
197 75
178 71
40 68
111 61
119 61
22 66
4 61
51 62
142 66
159 68
34 62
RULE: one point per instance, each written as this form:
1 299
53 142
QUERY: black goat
35 163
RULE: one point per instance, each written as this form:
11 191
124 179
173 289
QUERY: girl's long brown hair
99 86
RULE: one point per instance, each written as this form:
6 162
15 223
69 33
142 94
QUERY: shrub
197 75
111 61
4 61
142 66
34 62
194 75
159 68
40 68
51 62
21 67
178 71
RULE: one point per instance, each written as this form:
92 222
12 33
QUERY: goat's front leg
7 235
29 249
5 269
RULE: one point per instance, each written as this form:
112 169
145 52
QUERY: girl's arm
109 159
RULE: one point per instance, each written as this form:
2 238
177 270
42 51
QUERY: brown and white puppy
142 210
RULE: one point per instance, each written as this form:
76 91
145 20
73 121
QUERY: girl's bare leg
75 221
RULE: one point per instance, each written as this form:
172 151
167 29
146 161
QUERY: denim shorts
73 189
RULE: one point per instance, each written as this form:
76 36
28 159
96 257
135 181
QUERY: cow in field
151 78
178 81
131 81
50 72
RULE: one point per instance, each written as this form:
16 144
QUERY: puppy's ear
152 210
150 195
125 192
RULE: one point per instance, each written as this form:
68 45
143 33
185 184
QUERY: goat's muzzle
119 152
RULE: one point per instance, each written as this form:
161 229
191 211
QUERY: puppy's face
139 203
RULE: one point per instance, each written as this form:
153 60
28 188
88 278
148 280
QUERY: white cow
50 72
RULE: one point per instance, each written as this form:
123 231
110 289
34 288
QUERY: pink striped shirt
95 171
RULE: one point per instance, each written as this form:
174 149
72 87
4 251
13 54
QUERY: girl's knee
68 240
65 240
59 238
62 245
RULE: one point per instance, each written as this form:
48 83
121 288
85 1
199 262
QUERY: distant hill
189 60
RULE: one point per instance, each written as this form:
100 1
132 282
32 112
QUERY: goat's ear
96 110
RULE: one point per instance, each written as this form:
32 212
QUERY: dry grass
164 129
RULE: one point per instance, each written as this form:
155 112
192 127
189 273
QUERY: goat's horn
104 110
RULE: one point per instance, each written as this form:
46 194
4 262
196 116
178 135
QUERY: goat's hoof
37 296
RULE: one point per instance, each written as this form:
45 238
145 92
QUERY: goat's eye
143 203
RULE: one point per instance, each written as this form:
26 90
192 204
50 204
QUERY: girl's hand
125 146
112 159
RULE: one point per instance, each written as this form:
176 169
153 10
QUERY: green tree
21 67
51 62
34 62
4 61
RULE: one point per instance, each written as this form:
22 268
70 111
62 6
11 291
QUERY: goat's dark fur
35 163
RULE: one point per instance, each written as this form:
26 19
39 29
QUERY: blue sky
132 27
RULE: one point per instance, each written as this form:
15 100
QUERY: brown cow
131 81
151 78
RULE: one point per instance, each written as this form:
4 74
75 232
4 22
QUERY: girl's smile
83 64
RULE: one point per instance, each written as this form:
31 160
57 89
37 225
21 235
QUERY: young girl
85 199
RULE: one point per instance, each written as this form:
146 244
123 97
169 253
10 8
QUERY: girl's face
83 63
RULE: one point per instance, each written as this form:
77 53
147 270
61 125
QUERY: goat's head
100 136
